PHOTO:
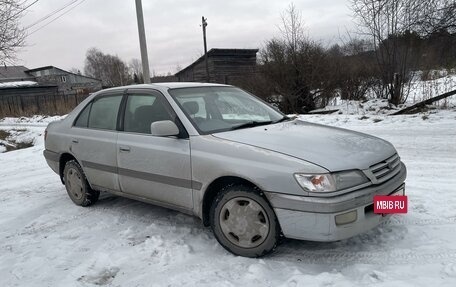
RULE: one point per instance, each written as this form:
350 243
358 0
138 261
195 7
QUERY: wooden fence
27 101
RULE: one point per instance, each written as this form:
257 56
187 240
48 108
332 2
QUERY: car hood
333 148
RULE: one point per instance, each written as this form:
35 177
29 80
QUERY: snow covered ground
45 240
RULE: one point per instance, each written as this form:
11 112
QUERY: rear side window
83 117
103 114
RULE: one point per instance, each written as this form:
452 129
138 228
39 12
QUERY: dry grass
21 145
4 134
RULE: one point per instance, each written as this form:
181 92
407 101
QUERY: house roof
51 67
36 87
214 52
42 68
16 84
14 73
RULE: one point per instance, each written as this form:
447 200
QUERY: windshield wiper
251 124
256 123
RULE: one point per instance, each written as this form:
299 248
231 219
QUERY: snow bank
368 107
441 81
18 84
37 120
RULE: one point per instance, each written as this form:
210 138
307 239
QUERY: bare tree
111 70
432 16
178 68
382 21
135 66
294 65
292 27
393 25
12 36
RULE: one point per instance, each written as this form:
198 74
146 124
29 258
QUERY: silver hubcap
74 183
244 222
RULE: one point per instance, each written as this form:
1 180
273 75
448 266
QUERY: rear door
156 168
94 140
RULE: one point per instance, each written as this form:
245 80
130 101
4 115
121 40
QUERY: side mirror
164 128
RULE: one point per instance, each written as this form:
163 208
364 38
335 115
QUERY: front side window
216 109
103 114
142 110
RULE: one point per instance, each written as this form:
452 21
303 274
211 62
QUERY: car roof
173 85
165 86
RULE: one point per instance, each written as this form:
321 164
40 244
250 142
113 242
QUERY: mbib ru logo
390 204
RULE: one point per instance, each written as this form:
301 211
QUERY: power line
36 30
20 11
51 14
25 8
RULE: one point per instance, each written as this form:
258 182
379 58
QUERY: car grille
385 169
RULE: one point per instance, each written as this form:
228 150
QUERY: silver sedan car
223 155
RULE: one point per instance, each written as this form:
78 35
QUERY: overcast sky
173 31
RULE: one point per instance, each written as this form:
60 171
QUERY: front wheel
243 222
77 186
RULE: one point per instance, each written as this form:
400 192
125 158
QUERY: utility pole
142 42
204 24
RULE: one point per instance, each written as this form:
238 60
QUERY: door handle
74 140
124 148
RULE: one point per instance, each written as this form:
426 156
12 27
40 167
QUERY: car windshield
217 109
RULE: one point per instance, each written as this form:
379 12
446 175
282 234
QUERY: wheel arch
64 158
216 186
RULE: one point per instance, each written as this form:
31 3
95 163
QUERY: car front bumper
314 218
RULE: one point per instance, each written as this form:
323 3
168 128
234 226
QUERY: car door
94 140
152 167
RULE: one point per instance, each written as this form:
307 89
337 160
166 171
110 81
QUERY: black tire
250 210
77 186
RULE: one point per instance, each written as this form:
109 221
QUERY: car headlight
329 182
316 182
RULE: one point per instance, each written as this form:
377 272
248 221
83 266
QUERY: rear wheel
76 184
243 222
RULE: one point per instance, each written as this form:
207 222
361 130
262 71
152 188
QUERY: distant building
225 65
66 82
47 90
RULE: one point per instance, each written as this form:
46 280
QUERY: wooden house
225 66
